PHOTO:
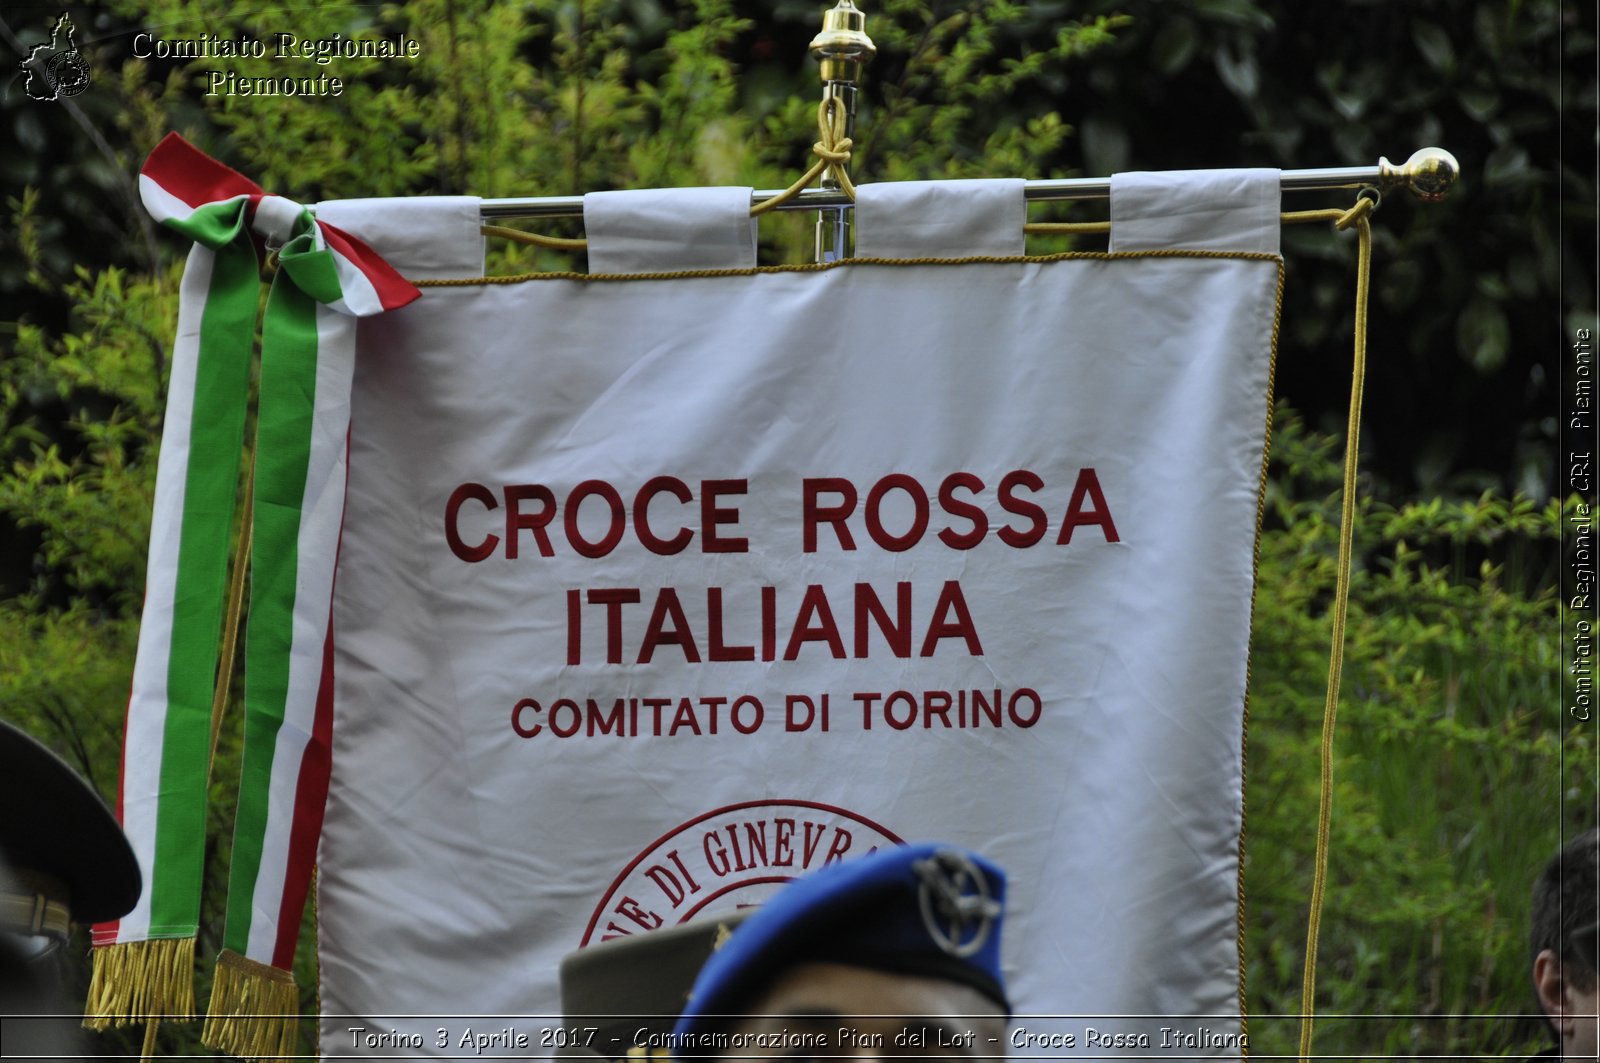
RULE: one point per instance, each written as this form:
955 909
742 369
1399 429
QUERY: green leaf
1239 73
1175 44
1484 335
1434 44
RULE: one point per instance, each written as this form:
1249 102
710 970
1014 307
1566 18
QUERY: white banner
654 593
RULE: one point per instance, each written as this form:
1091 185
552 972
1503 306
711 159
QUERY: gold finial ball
843 45
1429 173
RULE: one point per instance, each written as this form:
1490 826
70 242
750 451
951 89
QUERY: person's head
1562 939
897 953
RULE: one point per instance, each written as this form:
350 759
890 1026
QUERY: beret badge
958 909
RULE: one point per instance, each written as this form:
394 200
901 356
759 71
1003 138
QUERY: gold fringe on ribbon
134 981
254 1012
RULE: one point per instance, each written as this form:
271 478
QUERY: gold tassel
254 1012
133 981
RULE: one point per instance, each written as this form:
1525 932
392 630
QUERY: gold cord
832 150
229 652
1356 216
1342 219
557 242
1037 227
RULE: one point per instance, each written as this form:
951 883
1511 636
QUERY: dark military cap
631 989
65 856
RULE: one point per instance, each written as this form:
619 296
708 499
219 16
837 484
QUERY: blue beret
929 910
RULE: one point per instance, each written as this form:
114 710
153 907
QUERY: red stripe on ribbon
184 171
394 291
310 798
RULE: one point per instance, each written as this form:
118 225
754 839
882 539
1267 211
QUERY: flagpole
841 49
1428 174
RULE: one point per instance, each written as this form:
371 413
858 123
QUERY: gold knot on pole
833 146
1363 207
832 149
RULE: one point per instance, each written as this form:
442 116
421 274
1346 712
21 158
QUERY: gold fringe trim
134 981
254 1012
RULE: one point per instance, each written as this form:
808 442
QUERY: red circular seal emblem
730 857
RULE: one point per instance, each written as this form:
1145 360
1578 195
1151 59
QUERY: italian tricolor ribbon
325 280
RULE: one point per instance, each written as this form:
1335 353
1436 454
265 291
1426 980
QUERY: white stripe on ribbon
164 206
147 701
359 296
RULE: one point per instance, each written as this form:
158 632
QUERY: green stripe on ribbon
283 447
211 480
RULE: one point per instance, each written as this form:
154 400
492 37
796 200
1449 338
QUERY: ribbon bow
326 280
189 191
